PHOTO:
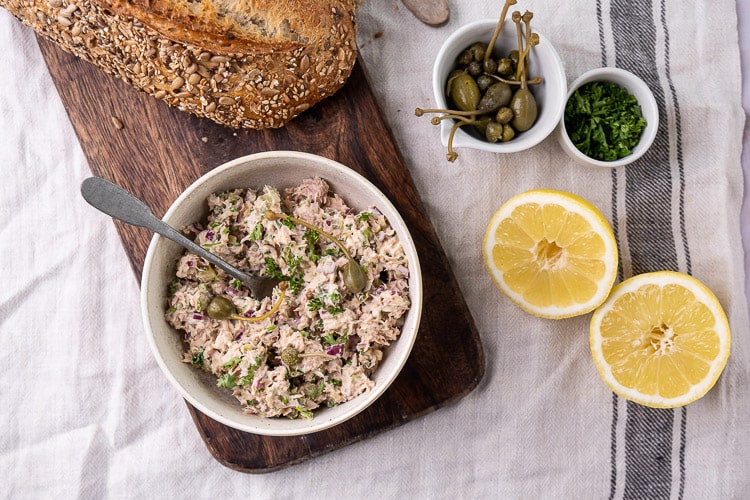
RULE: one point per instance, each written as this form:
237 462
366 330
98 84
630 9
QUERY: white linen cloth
87 413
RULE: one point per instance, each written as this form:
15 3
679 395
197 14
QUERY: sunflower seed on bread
241 63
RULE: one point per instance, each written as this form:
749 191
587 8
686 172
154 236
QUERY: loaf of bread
241 63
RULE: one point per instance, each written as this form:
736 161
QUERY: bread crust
256 78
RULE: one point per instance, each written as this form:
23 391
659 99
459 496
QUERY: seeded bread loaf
241 63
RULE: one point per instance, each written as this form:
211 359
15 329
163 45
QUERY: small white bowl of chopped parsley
610 118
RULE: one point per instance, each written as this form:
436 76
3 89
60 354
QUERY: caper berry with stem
524 110
222 308
498 28
523 103
354 277
290 356
465 93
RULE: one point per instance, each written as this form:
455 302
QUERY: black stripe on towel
648 228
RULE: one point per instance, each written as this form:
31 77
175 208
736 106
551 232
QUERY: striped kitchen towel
541 424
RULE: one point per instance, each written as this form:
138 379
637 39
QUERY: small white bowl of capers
502 100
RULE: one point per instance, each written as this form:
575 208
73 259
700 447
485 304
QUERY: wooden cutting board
160 151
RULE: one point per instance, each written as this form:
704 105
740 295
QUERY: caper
494 131
354 277
497 95
513 56
478 49
481 124
524 109
504 66
465 93
290 356
206 275
465 57
489 66
484 94
474 68
484 81
504 115
220 308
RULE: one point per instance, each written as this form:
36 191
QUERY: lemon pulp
551 252
661 339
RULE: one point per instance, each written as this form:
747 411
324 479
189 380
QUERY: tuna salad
341 300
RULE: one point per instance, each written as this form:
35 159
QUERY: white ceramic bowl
637 88
280 169
549 95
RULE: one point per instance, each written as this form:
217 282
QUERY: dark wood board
160 151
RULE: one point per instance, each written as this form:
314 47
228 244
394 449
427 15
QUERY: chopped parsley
295 283
367 234
296 273
231 363
329 339
364 216
272 269
318 391
604 120
295 279
291 260
246 379
311 237
326 301
315 304
197 359
257 232
304 413
227 380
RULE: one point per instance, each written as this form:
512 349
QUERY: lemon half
661 339
551 252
